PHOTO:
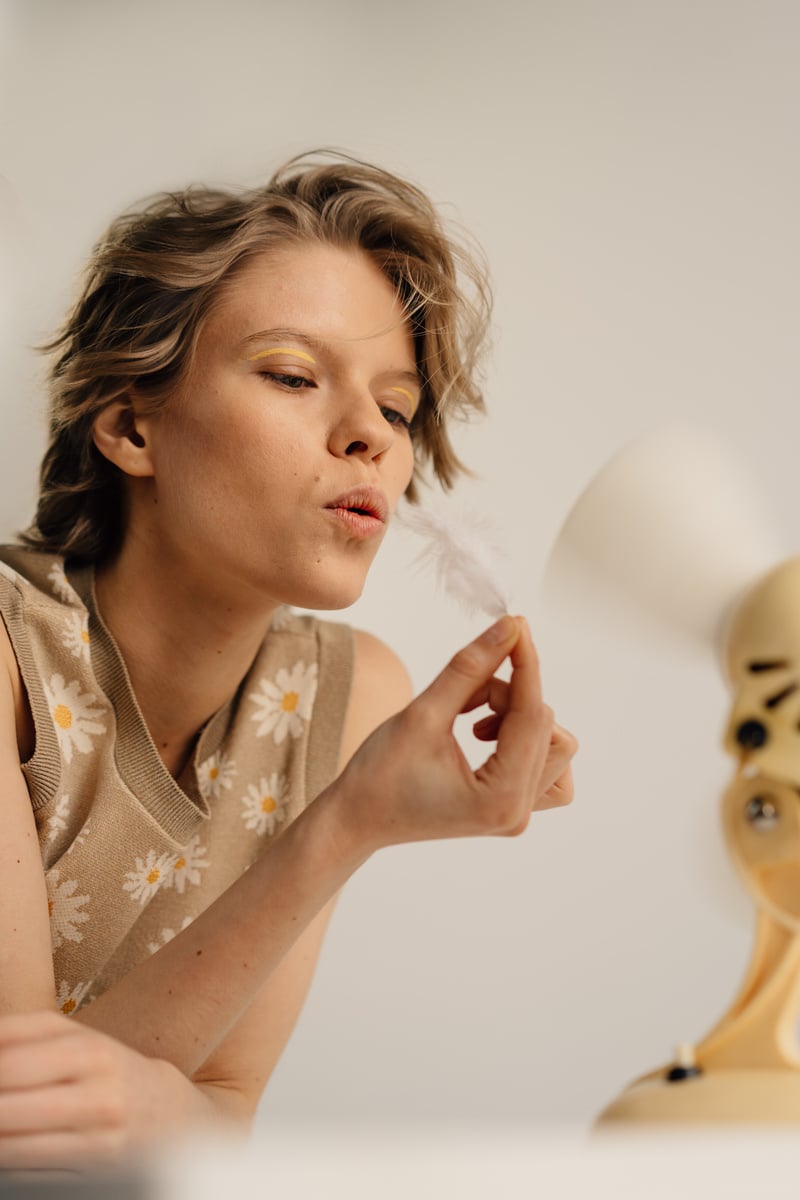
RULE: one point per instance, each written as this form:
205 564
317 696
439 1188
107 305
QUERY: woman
189 772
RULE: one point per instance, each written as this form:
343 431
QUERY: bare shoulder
14 699
26 971
381 687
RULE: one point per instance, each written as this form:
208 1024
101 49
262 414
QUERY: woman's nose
362 430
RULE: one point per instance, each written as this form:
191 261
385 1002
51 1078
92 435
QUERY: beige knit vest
132 855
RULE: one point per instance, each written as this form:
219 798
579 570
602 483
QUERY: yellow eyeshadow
405 392
282 350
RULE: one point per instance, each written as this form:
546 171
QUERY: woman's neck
186 651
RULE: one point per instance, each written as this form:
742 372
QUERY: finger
36 1064
33 1026
523 736
487 728
51 1110
467 672
559 795
494 693
58 1150
559 757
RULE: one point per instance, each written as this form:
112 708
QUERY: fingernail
501 631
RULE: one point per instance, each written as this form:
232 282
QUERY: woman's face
278 462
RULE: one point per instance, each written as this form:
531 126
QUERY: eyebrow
282 335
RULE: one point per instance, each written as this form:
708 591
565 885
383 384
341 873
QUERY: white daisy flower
167 935
68 998
64 908
148 875
281 618
76 638
73 715
264 805
82 836
216 773
287 703
188 865
62 588
58 821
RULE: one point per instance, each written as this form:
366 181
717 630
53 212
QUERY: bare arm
26 968
234 1045
409 781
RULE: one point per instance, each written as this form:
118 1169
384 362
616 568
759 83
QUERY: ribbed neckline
140 766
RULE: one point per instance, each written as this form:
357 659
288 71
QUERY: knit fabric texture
131 855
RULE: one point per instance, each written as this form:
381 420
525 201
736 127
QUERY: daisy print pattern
149 874
281 618
167 935
264 806
62 588
76 637
58 822
285 705
65 909
216 773
82 836
73 716
68 998
187 866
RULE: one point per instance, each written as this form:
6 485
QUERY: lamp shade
675 524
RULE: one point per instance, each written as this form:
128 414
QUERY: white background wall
632 171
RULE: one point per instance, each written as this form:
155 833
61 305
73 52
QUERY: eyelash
394 417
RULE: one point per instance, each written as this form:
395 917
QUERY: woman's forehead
315 295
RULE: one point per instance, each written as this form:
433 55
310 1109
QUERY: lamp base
743 1096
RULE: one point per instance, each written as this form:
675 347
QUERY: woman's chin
329 598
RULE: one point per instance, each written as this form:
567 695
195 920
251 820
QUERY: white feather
467 565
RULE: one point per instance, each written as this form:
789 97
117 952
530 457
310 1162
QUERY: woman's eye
293 382
395 418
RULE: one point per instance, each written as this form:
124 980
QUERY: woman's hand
71 1097
410 780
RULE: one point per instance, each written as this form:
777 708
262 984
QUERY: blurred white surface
483 1162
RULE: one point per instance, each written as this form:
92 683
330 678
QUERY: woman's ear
121 437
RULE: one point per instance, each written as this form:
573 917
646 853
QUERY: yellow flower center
62 716
180 864
68 1006
290 701
154 875
85 636
213 773
268 804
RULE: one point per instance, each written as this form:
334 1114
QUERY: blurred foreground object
674 524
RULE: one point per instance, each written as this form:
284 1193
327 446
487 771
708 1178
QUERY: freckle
197 1039
244 965
158 1039
199 952
169 991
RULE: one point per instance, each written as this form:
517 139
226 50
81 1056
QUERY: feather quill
467 565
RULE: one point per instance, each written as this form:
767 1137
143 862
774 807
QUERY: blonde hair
156 274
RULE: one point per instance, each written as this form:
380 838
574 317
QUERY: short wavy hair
154 278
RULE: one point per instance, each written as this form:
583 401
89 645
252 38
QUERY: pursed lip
368 500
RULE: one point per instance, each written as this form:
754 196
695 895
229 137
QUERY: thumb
472 666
